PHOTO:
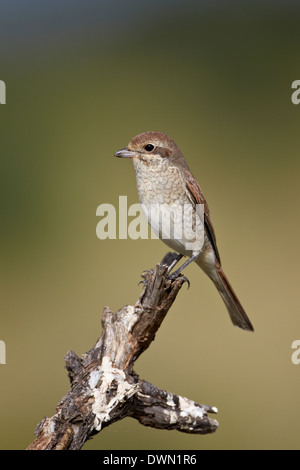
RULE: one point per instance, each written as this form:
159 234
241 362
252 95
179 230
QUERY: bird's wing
195 195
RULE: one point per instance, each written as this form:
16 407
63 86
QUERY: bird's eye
149 147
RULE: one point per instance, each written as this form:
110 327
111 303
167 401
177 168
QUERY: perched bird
165 186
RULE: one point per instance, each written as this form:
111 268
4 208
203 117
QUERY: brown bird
166 187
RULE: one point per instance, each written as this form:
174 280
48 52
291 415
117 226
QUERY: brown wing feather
196 196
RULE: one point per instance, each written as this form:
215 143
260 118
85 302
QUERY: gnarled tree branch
105 388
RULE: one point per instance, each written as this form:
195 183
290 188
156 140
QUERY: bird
165 186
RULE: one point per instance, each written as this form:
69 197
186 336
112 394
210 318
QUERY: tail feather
237 313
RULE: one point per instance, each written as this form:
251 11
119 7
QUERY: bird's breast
168 209
158 183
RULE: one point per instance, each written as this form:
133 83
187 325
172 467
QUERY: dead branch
105 388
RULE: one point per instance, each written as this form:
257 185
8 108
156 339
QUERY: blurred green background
82 79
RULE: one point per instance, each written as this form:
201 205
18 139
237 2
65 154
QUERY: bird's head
152 147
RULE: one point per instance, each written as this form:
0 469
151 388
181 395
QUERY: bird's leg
184 265
169 260
174 262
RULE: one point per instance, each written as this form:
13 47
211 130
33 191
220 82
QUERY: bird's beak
125 153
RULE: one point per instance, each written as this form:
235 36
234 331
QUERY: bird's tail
237 313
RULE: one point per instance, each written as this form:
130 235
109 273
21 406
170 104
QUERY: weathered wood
105 388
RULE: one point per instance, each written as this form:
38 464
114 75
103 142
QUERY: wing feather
196 197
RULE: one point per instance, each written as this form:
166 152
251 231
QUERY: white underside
183 240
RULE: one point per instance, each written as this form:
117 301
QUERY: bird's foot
176 275
145 280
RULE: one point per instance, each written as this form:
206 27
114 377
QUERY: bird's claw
174 276
144 281
170 277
